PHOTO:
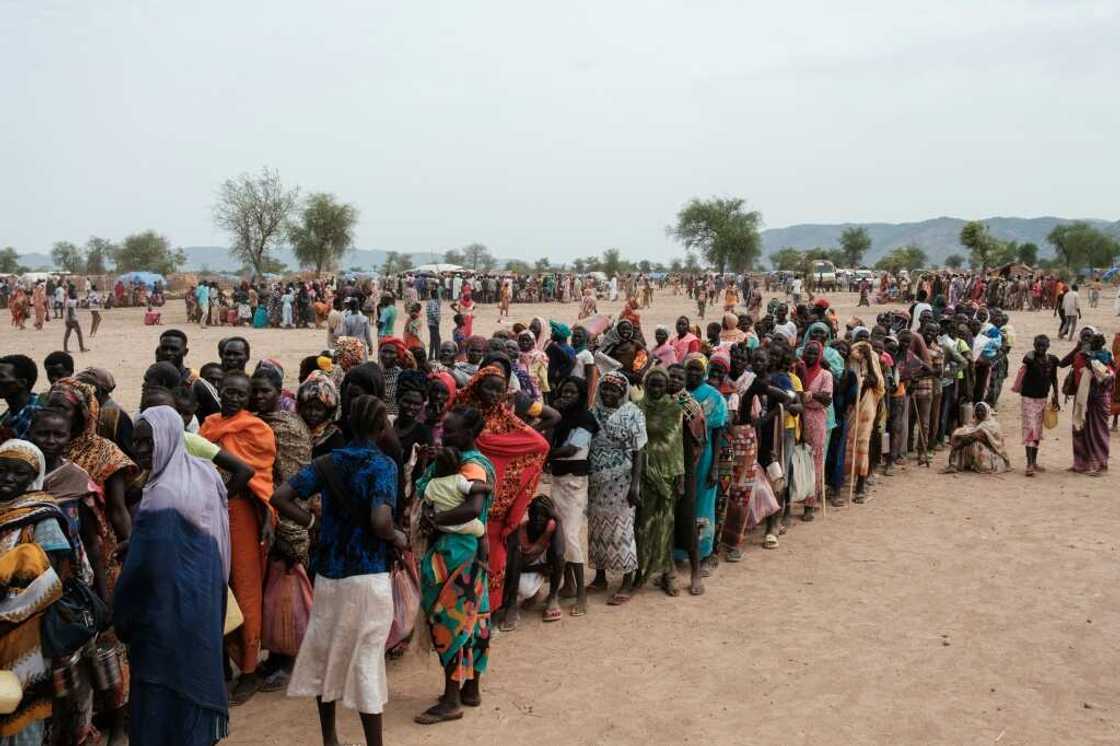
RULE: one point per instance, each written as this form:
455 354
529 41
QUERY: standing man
173 349
1071 312
356 324
434 312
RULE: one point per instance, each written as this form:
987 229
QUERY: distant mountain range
938 237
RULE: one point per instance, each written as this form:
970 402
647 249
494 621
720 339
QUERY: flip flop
431 716
770 542
552 615
577 611
618 599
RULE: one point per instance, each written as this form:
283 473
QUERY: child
449 489
701 301
459 333
212 373
537 556
412 327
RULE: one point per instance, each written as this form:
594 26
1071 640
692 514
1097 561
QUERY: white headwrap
29 453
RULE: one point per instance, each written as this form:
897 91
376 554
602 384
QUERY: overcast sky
556 129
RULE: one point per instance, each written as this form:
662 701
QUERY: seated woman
978 447
536 555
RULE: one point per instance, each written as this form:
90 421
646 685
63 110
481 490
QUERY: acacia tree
981 244
903 257
254 210
854 243
721 230
325 232
786 260
9 262
99 252
1027 253
454 257
396 263
954 261
1080 244
148 252
68 257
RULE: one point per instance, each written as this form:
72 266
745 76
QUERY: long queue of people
236 536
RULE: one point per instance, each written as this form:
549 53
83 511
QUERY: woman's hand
634 496
678 485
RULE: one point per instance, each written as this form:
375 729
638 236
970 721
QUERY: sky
553 130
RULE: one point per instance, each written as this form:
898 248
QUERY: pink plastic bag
286 608
406 601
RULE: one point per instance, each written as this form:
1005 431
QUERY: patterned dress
610 517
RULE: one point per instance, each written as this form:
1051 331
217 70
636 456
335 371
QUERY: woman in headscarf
685 539
286 400
730 333
414 435
662 482
817 382
624 344
533 361
441 392
113 423
170 602
317 402
249 438
454 583
394 358
978 447
1094 379
349 352
517 453
39 303
568 460
865 362
663 353
588 306
615 463
845 394
715 418
36 556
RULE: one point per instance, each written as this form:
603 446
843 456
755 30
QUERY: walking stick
855 438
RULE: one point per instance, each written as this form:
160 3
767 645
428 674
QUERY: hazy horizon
554 131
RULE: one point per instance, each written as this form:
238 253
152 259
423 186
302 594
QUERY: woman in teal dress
715 416
454 579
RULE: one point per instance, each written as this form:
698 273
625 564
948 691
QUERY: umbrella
148 278
439 267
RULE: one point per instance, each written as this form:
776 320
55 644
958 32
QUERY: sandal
552 614
668 583
808 515
434 715
735 555
770 542
618 599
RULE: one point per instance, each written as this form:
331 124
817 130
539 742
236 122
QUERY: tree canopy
854 243
148 252
454 257
722 231
9 262
477 257
786 260
954 261
1080 244
99 252
254 210
68 257
395 263
325 232
903 257
981 244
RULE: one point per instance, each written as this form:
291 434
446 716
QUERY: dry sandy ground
956 610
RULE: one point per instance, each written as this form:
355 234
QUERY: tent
148 278
437 268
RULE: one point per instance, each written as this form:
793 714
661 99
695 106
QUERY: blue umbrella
148 278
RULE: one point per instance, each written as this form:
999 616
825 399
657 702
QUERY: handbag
406 600
1017 387
73 620
803 478
1050 416
285 607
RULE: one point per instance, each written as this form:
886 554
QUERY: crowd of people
237 536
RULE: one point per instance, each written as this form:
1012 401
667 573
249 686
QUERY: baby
449 489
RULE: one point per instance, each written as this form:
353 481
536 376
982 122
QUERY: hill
939 237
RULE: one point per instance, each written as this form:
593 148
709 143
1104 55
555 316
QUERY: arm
634 497
240 472
92 544
118 515
548 419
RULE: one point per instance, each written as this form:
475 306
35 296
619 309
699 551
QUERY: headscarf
448 381
542 341
101 379
180 482
814 370
468 397
863 358
615 378
696 357
664 449
319 387
350 351
28 453
560 329
404 357
100 457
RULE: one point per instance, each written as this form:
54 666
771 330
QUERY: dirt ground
959 610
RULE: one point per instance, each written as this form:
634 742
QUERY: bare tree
255 210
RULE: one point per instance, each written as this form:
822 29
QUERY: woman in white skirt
342 656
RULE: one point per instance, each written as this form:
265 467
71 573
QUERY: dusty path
956 610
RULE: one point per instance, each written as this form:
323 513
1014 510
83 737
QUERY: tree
722 231
99 252
854 242
148 252
578 266
691 263
786 260
954 261
9 262
477 256
269 267
542 265
396 263
255 210
518 266
676 266
324 233
68 257
981 244
909 258
1027 253
454 257
1080 244
613 263
645 266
